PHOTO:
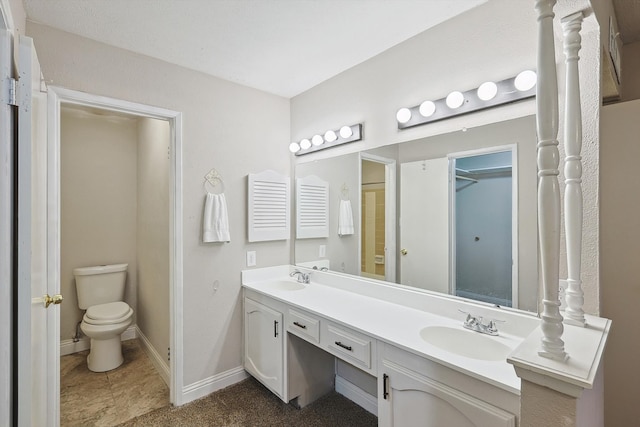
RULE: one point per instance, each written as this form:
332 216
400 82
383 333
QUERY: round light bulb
346 132
305 144
403 115
455 99
525 80
487 91
330 136
294 147
427 108
317 140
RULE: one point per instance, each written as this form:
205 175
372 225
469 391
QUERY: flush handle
48 300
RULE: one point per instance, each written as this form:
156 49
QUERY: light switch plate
323 251
251 258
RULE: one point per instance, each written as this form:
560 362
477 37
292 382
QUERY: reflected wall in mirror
348 254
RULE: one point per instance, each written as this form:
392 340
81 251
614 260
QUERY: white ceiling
280 46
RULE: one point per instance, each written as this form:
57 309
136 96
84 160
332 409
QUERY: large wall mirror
453 213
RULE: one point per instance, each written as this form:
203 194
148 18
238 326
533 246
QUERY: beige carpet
249 403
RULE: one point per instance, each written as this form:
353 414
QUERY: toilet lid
109 311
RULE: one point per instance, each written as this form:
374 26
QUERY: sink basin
465 343
286 285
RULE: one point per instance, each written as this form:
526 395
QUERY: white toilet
101 292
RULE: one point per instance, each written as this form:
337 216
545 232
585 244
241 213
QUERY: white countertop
392 323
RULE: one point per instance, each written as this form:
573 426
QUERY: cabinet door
407 398
263 348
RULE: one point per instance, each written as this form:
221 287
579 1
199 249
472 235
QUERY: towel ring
214 181
344 191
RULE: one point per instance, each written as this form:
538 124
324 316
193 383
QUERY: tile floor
109 398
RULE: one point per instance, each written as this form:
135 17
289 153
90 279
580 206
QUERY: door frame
57 97
390 254
514 214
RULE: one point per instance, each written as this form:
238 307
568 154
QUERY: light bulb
294 147
525 80
403 115
317 140
427 108
346 132
305 144
455 99
330 136
487 91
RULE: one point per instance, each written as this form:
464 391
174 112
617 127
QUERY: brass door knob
404 251
48 300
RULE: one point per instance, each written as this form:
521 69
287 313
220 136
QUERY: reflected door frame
390 251
514 214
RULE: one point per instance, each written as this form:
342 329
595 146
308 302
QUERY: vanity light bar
488 94
331 138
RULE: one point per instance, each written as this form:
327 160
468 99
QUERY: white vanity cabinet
263 345
408 395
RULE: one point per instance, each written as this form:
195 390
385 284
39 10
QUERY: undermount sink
465 343
286 285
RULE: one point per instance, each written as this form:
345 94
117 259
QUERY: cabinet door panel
263 349
415 400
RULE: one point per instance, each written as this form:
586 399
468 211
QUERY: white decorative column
574 313
548 185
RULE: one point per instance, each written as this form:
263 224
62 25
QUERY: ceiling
279 46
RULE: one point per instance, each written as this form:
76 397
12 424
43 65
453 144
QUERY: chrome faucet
302 277
474 323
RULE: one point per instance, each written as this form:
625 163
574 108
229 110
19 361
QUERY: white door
38 354
424 234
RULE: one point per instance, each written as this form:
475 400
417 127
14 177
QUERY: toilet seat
108 314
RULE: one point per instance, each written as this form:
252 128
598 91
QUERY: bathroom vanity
427 366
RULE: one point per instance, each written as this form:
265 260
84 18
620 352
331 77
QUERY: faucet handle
491 326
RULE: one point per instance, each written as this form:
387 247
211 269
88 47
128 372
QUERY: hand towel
345 220
215 221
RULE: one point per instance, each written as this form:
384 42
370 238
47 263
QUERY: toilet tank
100 284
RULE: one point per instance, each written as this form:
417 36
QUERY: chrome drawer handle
300 325
346 347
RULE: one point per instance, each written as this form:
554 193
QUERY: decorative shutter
312 207
269 201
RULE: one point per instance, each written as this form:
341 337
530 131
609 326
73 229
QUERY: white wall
152 311
98 202
237 130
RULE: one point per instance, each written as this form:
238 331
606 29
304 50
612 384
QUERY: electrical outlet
323 251
251 258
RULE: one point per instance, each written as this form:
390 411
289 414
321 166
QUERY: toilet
100 291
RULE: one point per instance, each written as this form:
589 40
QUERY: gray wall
98 202
152 223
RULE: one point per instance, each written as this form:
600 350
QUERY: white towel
345 220
215 221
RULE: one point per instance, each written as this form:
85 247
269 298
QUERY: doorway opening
378 216
482 226
160 234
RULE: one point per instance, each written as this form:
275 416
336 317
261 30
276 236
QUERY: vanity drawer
303 325
352 346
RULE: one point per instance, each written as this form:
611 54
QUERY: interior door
424 235
38 354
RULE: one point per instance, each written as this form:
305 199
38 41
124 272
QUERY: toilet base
105 355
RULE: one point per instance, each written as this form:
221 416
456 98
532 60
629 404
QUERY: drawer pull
300 325
275 328
385 386
346 347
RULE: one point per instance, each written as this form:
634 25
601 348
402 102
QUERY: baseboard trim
70 347
217 382
357 395
158 362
